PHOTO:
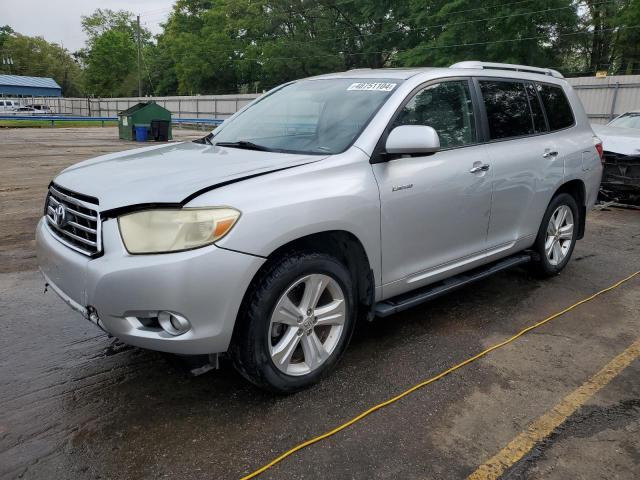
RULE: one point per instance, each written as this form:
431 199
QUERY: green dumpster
141 113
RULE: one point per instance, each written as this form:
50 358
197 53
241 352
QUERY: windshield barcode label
372 86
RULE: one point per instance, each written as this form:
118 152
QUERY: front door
434 208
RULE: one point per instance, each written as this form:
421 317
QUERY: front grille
621 169
74 220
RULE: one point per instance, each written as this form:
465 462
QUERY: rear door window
556 105
507 107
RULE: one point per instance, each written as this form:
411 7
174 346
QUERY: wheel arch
341 244
577 189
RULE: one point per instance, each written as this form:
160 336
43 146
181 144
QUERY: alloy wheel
559 235
307 324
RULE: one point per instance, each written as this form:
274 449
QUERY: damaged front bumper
621 177
87 312
127 295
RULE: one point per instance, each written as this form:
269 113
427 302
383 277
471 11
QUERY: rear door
526 161
576 143
435 208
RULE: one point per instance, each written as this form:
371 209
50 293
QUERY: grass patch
56 124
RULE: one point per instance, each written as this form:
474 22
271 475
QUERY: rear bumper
205 285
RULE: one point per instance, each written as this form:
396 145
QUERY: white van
8 105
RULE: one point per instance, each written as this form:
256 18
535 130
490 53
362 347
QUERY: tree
195 43
5 32
600 17
255 44
523 32
35 56
626 44
104 20
110 59
224 46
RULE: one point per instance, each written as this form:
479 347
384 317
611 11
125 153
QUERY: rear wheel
296 323
557 235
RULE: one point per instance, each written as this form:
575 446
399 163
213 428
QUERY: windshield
310 116
628 120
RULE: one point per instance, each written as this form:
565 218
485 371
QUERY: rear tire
557 236
295 323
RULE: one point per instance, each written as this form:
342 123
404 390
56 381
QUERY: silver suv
326 201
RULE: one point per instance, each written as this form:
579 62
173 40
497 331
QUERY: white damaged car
621 144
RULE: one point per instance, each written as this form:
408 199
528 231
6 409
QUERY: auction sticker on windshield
372 86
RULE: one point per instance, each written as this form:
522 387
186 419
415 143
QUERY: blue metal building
20 86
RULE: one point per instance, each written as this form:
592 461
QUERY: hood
169 173
625 141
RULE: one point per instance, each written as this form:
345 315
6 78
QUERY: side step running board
416 297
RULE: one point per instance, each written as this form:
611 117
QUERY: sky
58 21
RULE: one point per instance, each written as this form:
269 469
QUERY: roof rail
507 66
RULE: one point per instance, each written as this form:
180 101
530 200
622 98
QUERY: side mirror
412 139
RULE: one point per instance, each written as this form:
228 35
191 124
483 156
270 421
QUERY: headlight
156 231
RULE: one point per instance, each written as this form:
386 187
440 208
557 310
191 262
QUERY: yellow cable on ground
430 380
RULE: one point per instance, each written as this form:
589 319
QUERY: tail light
598 143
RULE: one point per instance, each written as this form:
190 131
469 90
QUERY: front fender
337 193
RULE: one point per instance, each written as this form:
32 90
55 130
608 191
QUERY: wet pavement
77 404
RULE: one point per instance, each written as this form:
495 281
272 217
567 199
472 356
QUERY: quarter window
556 105
507 107
447 108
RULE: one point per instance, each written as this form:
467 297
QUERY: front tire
557 236
295 323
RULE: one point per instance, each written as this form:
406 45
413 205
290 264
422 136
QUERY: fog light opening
175 323
172 323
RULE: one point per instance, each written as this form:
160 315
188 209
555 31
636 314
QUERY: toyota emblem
60 215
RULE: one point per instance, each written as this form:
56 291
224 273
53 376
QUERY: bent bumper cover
205 285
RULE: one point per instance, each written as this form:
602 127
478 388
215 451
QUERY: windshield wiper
244 144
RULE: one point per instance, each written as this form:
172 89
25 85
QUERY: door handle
549 154
480 168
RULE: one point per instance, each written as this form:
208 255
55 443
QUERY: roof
133 108
399 73
458 69
477 65
22 81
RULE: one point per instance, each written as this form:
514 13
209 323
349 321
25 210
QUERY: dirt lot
77 404
31 157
